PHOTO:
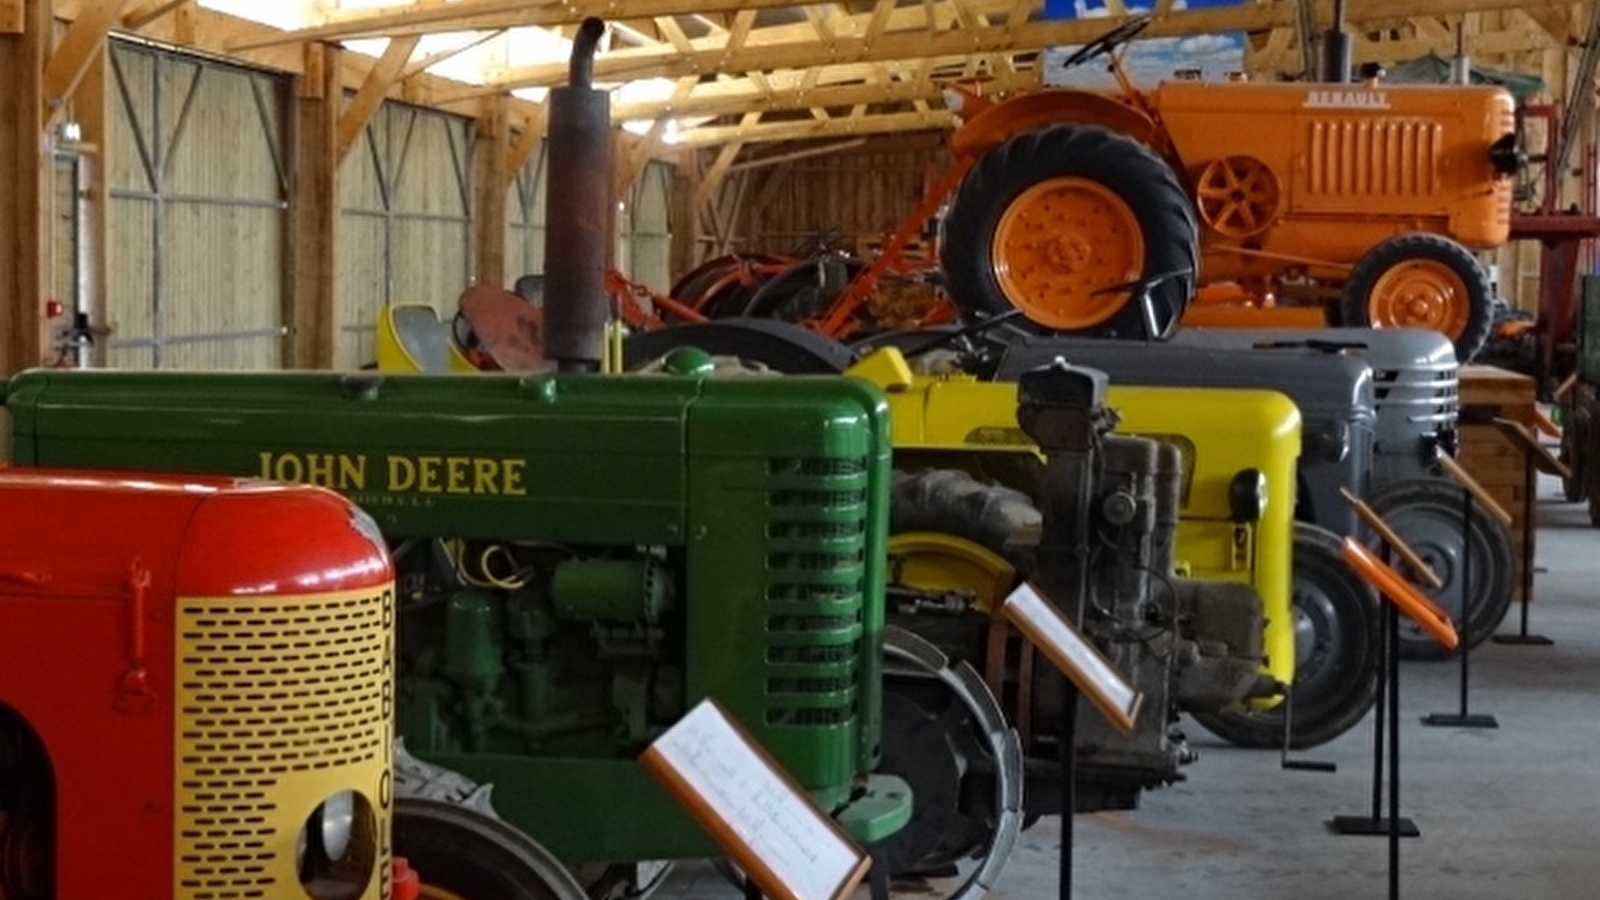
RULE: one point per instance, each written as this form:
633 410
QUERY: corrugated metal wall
198 214
643 225
406 234
647 234
198 167
525 219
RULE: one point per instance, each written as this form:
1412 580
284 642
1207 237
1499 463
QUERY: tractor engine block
509 649
1105 559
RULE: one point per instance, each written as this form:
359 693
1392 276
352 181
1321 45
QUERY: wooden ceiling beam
528 140
11 16
1556 22
917 42
802 130
423 63
1281 58
77 51
136 19
383 76
733 97
471 15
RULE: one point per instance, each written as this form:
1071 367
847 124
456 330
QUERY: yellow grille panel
282 701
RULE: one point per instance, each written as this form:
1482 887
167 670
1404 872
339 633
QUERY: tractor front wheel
1422 280
462 854
1060 222
1336 668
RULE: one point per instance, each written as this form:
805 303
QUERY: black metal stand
1069 788
1388 701
1299 765
1462 718
1522 637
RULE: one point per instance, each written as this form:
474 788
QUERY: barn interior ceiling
698 73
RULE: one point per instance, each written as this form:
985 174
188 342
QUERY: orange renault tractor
1365 202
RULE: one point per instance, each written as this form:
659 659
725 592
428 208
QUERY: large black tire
781 346
1574 441
27 812
1042 223
1427 514
1422 280
1336 666
953 502
469 855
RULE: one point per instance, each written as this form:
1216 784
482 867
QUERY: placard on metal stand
1090 674
1472 491
768 825
1401 596
1534 456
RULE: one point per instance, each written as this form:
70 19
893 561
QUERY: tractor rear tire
1053 218
1336 664
1422 280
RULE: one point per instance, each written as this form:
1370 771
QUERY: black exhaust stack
1336 48
577 212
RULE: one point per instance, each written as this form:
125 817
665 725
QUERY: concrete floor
1510 812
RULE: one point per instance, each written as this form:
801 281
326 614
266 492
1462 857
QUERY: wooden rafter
77 52
423 63
11 12
924 36
366 101
838 86
1429 36
144 14
885 62
529 140
889 123
471 15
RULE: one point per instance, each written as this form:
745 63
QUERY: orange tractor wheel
1057 222
1422 281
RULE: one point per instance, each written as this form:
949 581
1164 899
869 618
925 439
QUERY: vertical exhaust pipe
577 212
1336 48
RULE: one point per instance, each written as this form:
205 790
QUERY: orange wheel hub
1420 293
1238 196
1061 242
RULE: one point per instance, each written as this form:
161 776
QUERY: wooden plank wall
1489 456
856 195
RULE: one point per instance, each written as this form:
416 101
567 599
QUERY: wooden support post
314 314
492 162
24 177
684 223
11 16
91 111
84 41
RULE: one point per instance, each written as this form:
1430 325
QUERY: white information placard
764 821
1074 655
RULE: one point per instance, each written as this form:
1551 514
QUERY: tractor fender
1002 121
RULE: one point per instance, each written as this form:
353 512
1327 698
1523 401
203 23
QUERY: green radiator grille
816 584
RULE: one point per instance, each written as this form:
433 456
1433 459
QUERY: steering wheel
959 339
1105 43
1141 288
